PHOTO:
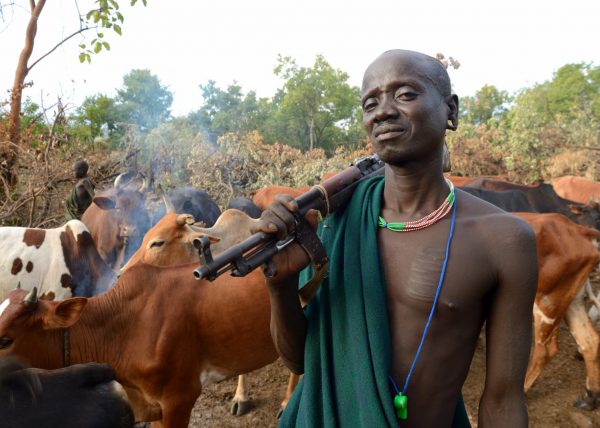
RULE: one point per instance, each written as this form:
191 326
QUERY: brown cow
567 253
577 189
117 220
170 243
164 334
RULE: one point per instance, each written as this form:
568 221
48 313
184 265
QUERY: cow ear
212 239
104 202
65 313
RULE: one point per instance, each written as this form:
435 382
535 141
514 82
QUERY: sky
511 44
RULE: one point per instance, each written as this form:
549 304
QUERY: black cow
187 200
246 205
509 200
78 396
544 199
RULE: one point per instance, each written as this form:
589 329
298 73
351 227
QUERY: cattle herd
104 313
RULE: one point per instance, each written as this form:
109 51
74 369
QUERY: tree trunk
311 133
14 119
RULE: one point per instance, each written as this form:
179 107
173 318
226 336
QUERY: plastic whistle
401 406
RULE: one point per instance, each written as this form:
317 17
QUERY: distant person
82 193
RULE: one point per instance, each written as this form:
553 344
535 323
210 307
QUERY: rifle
327 197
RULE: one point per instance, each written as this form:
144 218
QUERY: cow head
170 242
118 220
28 325
588 215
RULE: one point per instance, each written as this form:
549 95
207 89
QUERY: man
415 270
82 194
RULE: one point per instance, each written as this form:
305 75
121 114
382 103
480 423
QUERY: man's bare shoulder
493 223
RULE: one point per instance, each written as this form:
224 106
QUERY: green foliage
488 106
229 111
553 117
104 15
143 100
98 116
318 106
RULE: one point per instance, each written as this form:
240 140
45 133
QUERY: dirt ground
549 401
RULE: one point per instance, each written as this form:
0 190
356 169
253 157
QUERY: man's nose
386 109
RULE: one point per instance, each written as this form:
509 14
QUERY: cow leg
240 404
176 409
595 299
545 345
291 386
588 343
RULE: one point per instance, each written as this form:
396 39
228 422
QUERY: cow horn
31 298
119 180
168 204
144 187
183 219
19 285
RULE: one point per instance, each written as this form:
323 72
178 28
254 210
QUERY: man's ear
452 112
65 313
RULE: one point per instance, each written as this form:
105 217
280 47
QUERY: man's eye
369 105
406 96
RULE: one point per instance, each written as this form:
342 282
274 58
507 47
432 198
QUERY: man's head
408 106
80 168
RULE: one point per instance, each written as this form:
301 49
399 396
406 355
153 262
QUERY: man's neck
413 193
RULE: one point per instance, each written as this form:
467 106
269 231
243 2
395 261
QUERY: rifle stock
327 197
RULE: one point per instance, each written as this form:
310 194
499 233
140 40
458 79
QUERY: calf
187 200
567 253
164 334
79 396
170 242
508 200
62 262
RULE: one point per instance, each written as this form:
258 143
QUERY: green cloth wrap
348 351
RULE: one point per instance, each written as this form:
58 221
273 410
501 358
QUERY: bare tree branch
81 30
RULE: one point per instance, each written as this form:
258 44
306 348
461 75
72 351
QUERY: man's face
404 113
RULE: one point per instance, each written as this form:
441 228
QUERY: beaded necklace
426 221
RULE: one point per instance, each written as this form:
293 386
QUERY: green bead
401 406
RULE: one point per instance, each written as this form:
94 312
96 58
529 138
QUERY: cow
544 199
164 333
508 200
117 220
187 200
567 253
79 396
577 189
265 196
246 205
62 262
170 242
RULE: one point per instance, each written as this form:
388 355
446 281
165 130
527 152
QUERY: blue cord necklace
400 399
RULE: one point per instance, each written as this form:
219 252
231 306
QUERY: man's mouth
386 132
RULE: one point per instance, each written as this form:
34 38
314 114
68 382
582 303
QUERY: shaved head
428 67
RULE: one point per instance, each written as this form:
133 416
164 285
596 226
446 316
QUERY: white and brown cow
62 262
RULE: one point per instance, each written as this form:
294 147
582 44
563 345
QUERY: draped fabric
348 351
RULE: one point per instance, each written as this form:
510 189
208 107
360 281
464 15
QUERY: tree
554 116
96 113
487 104
229 111
143 100
317 104
104 15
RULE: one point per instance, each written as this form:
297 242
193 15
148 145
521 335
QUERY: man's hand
279 220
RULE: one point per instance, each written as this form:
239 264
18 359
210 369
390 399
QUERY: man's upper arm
509 322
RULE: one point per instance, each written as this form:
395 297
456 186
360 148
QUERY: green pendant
401 406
